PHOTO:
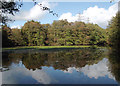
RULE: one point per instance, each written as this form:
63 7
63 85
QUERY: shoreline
49 47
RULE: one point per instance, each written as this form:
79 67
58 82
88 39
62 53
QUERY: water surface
59 66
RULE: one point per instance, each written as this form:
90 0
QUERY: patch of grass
46 47
41 47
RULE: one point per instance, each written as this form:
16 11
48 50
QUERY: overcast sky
93 12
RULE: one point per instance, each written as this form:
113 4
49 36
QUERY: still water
60 66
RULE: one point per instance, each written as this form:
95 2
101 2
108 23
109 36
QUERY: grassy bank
44 47
41 47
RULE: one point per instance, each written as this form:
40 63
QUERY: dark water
60 66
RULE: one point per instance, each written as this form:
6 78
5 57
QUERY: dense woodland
62 33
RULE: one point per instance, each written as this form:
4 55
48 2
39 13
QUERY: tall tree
6 37
17 37
33 33
114 36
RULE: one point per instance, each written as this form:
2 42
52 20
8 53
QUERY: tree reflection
114 59
10 57
63 59
59 59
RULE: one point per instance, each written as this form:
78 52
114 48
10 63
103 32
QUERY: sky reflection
96 73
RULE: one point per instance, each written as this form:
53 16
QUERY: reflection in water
61 59
94 71
71 66
0 78
114 59
24 76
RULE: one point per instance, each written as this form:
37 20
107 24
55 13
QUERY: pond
59 66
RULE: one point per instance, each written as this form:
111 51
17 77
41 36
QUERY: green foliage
33 33
8 7
77 33
114 41
97 35
114 29
59 33
17 37
6 37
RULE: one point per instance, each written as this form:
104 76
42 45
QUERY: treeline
113 32
59 33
